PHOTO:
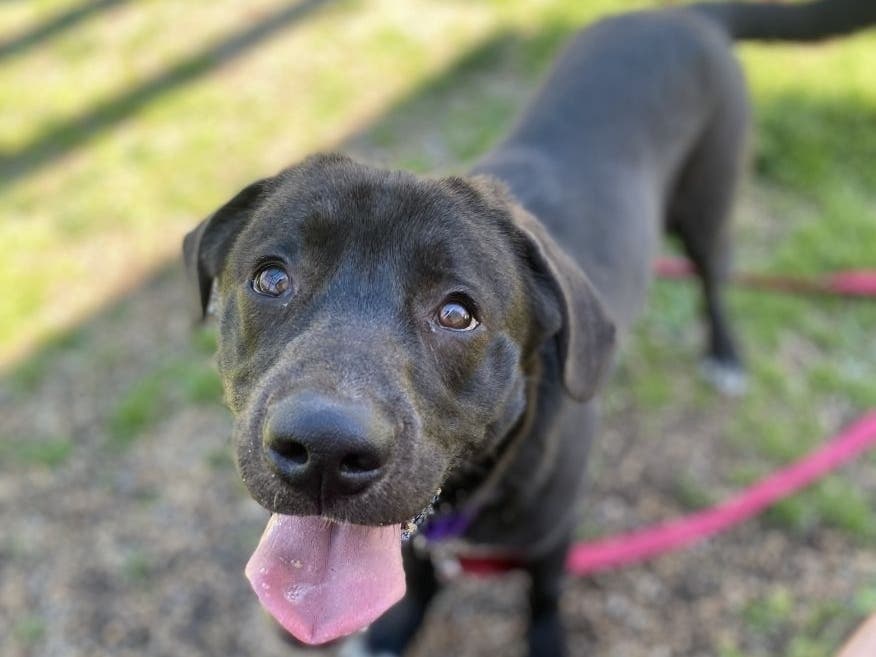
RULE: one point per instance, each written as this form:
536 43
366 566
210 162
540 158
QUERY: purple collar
448 526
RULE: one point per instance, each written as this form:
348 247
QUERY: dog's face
375 330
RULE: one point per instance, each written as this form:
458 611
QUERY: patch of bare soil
140 551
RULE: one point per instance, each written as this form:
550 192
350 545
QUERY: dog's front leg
391 634
547 637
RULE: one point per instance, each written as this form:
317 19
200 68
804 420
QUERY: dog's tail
807 21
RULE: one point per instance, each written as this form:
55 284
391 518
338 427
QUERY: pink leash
639 545
642 544
850 283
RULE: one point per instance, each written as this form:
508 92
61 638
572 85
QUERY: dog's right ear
567 304
206 247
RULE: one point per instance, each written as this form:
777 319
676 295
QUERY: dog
394 346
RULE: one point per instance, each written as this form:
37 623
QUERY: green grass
832 503
813 140
47 452
765 615
139 407
167 387
99 183
692 495
29 630
865 600
807 630
220 459
843 506
26 377
137 567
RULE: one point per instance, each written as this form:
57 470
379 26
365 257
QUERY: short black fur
641 126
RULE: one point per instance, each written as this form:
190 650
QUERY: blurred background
123 527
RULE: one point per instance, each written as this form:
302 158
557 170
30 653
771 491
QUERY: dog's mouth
322 579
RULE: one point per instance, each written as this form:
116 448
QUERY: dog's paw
356 646
727 378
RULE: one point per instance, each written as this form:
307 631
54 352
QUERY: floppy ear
205 248
586 336
584 331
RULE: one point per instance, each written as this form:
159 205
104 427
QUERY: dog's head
375 330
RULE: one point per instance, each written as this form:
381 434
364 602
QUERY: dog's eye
272 281
456 316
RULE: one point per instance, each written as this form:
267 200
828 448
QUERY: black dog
385 337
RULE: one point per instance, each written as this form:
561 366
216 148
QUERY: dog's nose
326 447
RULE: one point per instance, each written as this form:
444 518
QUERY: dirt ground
132 543
140 550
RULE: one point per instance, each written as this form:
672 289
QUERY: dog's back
642 125
598 154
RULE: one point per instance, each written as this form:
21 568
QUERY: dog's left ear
205 248
567 304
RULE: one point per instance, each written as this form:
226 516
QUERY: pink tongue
323 580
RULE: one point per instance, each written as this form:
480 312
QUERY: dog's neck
482 481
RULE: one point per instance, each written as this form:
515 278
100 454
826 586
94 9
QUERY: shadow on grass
79 130
466 130
453 118
24 41
163 382
463 116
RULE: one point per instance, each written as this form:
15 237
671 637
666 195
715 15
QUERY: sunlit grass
46 452
147 177
170 385
427 86
151 175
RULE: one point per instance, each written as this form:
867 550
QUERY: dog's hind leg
699 214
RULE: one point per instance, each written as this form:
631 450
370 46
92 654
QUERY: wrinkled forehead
382 224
